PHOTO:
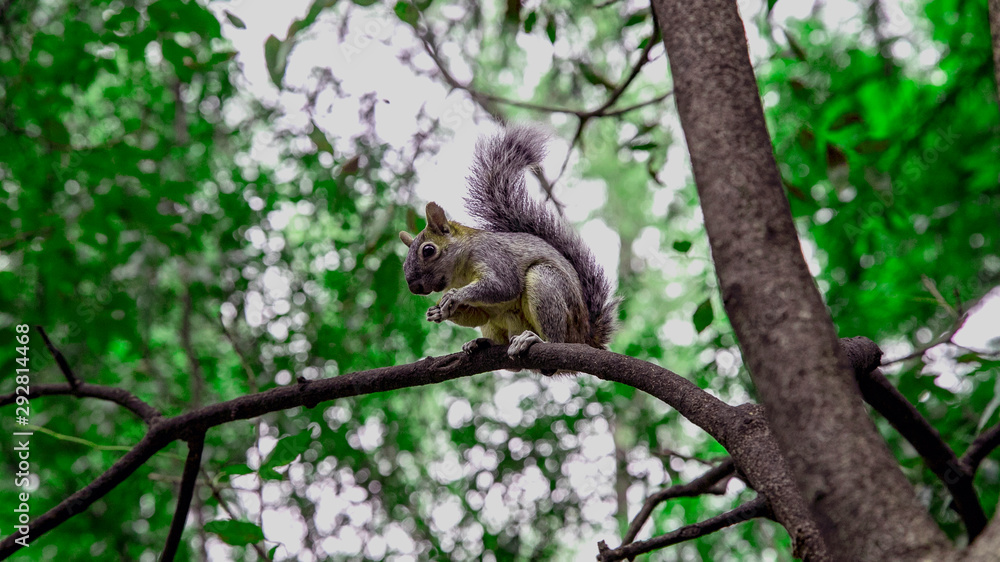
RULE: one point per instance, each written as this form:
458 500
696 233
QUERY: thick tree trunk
863 504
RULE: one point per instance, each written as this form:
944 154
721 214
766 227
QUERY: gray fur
498 198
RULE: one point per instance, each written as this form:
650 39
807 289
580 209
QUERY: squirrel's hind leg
545 306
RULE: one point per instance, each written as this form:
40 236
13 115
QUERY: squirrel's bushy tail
498 198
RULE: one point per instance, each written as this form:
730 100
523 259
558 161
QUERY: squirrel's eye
428 250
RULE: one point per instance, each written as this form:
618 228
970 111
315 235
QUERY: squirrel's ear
406 237
436 221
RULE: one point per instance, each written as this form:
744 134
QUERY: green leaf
703 316
276 56
530 20
288 449
237 469
221 57
128 14
237 22
407 12
319 139
175 53
236 533
550 28
56 133
682 246
636 19
315 9
268 473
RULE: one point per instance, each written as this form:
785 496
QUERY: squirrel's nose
417 288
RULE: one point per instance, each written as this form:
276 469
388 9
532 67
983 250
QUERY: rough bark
862 502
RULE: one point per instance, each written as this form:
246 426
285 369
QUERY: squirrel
525 276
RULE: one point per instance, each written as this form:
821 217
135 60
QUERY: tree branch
959 312
902 415
165 431
702 408
74 382
487 101
22 236
742 429
639 105
980 448
696 487
119 396
653 40
750 510
83 498
196 376
191 467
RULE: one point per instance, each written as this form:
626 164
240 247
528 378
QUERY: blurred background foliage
184 236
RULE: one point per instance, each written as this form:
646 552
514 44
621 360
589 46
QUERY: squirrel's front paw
434 314
521 342
446 307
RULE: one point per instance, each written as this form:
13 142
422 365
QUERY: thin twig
701 485
751 510
961 315
931 287
196 375
487 101
628 108
67 371
257 427
191 466
569 151
251 377
119 396
980 448
636 69
22 236
664 452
